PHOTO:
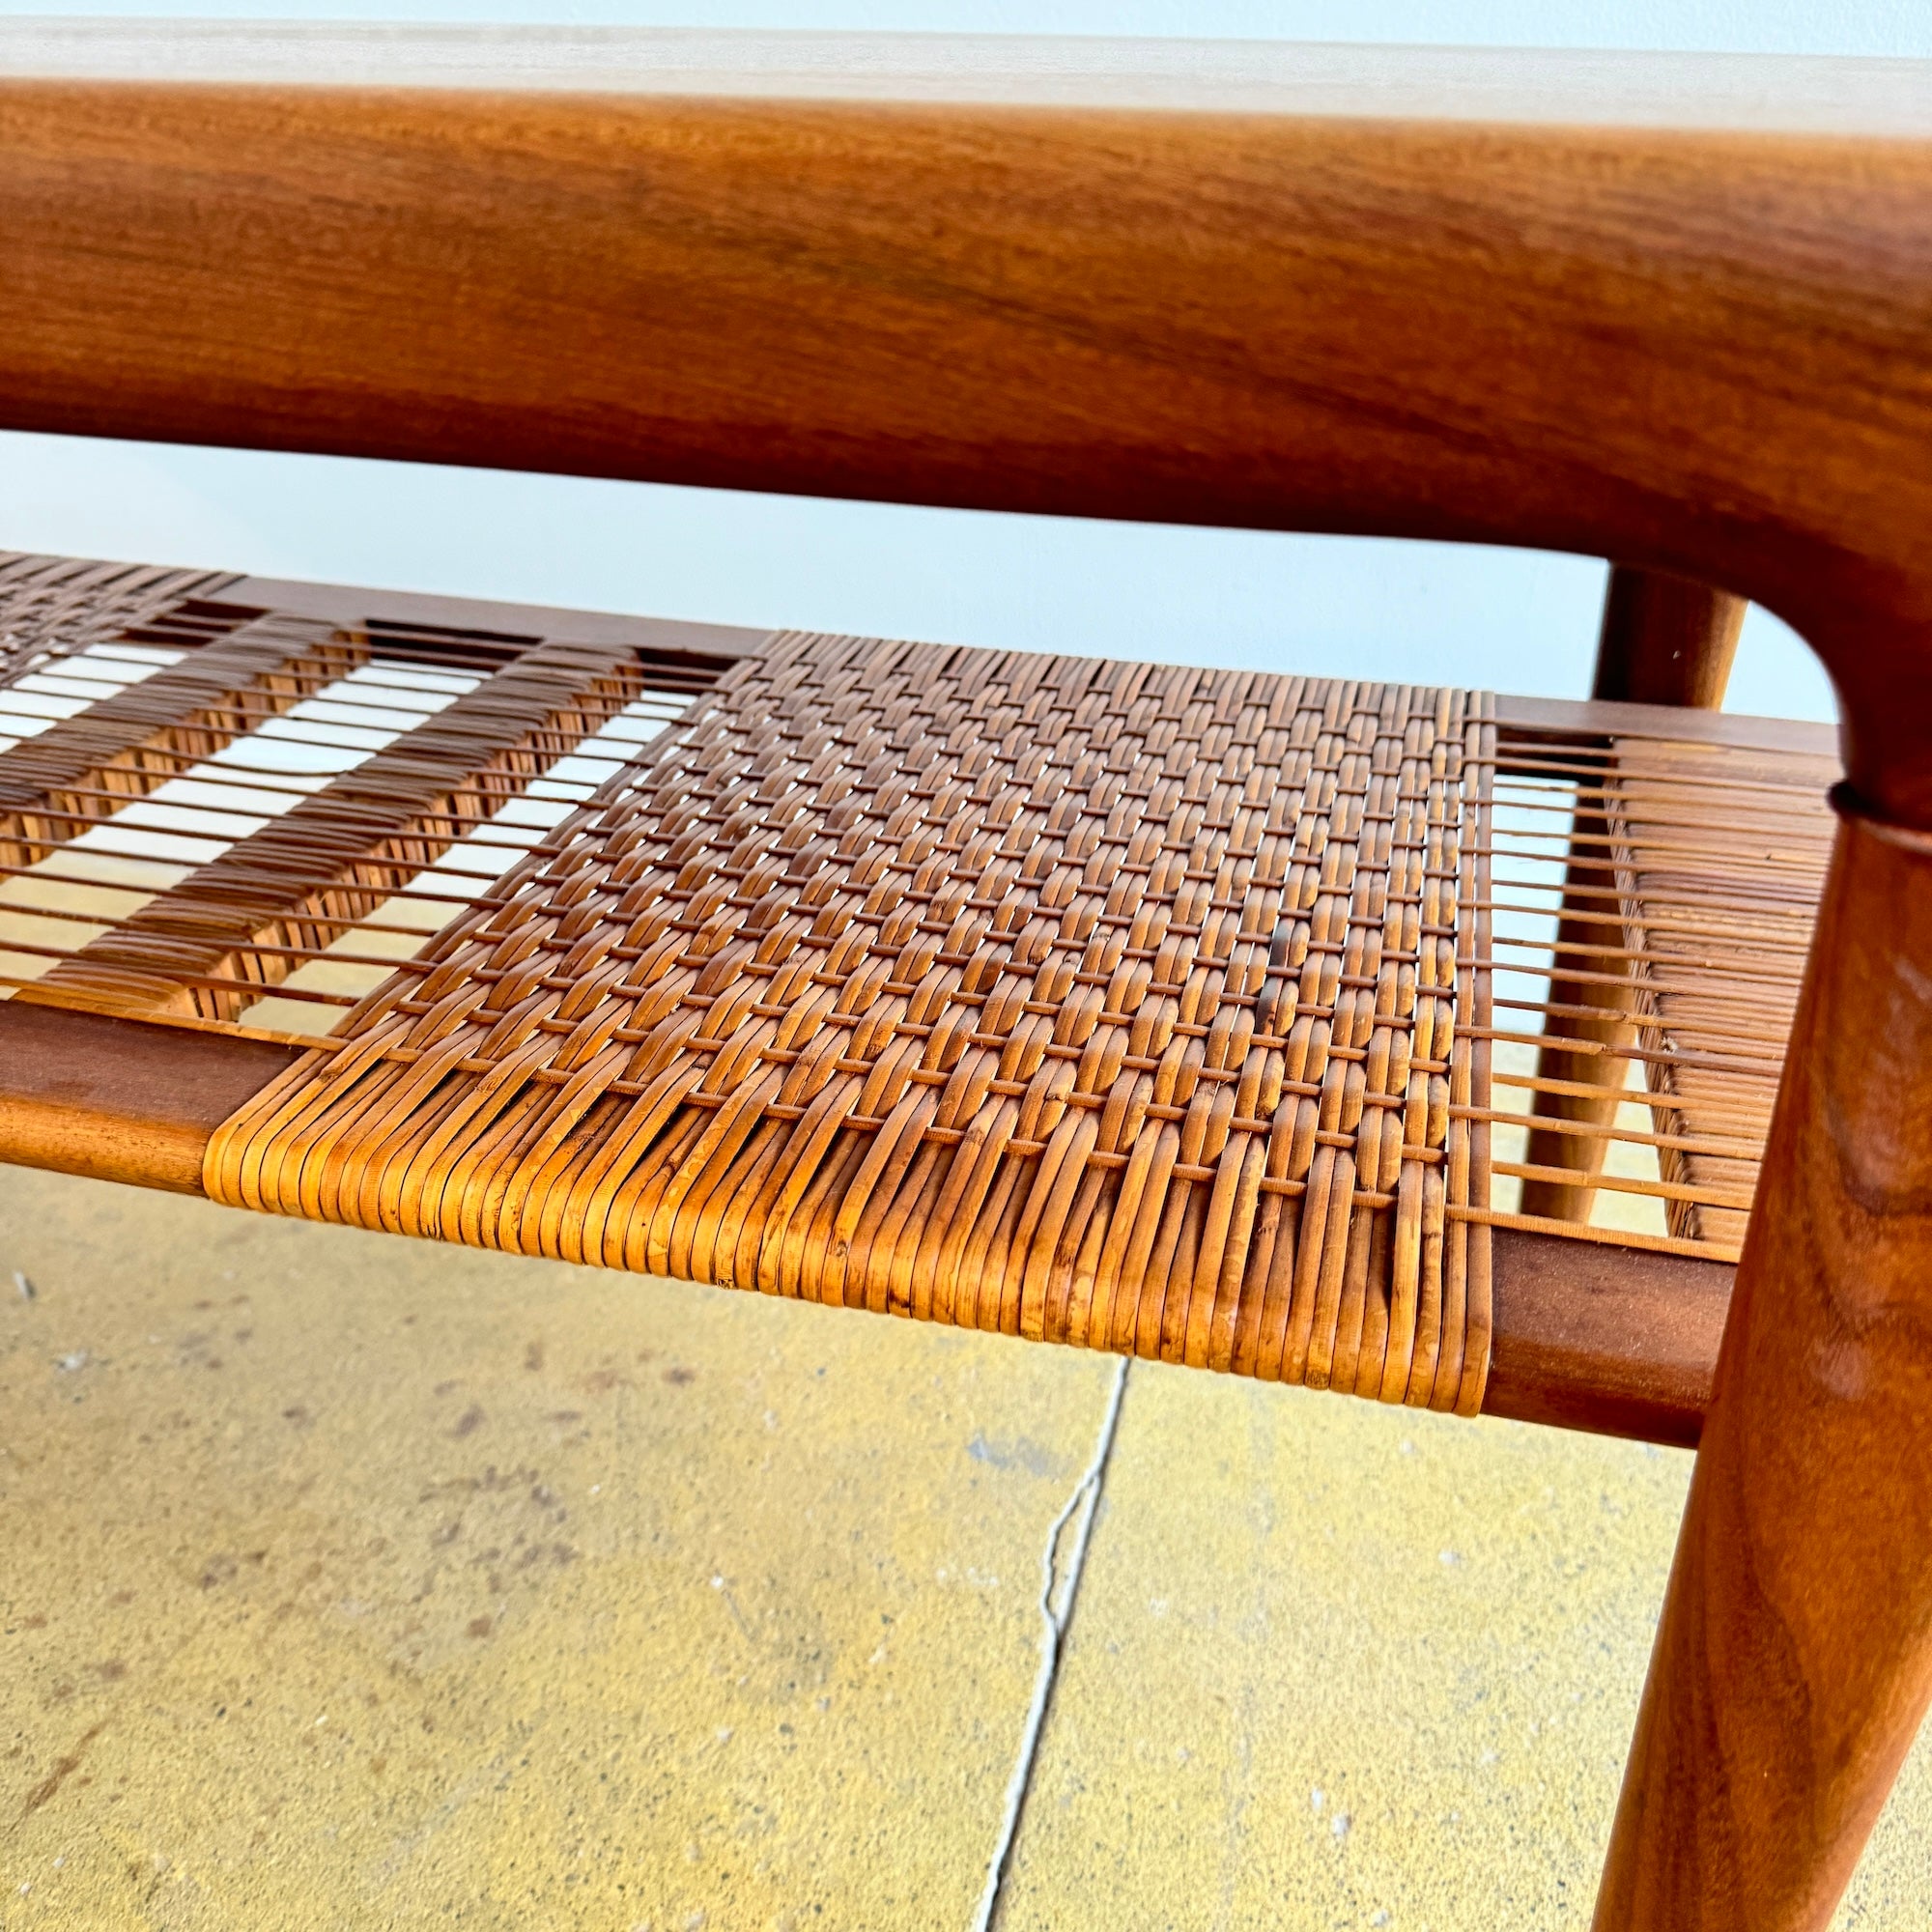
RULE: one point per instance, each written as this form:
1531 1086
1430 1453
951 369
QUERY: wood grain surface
1700 343
119 1099
1665 641
1610 1340
1792 1668
1703 351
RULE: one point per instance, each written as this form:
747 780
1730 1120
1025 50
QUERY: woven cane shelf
1195 1014
1085 1001
790 961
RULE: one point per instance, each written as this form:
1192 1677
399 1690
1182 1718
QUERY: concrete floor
349 1582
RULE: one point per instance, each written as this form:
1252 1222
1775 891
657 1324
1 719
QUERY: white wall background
1510 620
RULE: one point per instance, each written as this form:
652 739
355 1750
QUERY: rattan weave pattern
52 607
1714 858
1103 1002
1740 877
240 816
226 931
90 766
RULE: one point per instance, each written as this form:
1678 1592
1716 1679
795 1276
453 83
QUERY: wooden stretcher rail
1609 1340
1524 720
115 1099
1615 1341
669 640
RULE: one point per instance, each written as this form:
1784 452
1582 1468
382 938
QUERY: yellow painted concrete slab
350 1582
346 1581
1332 1666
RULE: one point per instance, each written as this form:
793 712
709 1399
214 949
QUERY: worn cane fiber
1101 1002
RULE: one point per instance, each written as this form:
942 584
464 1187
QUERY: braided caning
1095 1002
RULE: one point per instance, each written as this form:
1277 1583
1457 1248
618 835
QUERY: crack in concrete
1059 1585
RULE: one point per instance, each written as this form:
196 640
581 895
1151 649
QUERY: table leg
1794 1659
1665 640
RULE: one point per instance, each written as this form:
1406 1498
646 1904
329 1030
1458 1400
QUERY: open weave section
1120 1005
55 608
220 814
1653 900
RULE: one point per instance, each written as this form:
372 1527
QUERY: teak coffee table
1570 1061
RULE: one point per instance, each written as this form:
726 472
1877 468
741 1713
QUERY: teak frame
1678 314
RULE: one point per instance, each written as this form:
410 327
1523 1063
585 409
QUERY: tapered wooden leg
1588 932
1665 640
1794 1659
